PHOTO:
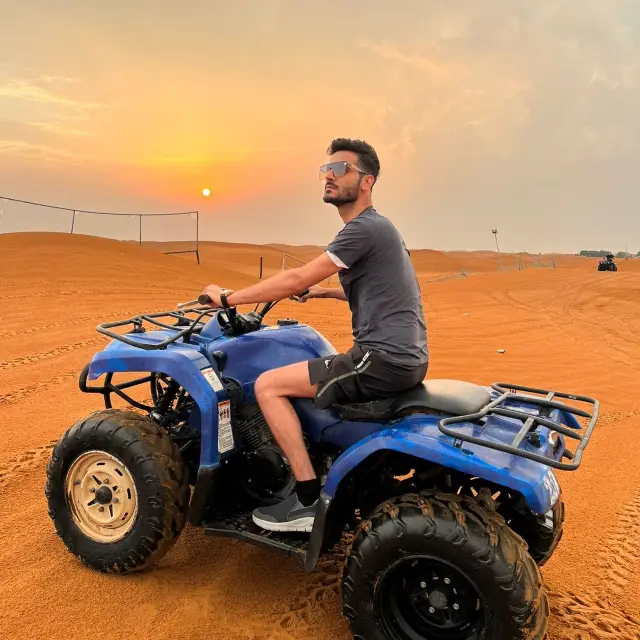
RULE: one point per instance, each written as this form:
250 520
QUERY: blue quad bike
444 495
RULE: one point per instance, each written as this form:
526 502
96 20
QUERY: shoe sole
301 524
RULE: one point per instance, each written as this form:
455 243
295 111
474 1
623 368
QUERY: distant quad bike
445 493
607 264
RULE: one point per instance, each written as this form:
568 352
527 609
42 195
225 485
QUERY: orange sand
570 328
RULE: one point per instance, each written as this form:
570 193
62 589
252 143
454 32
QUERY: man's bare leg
273 390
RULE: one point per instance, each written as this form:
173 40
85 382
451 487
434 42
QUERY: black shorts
360 375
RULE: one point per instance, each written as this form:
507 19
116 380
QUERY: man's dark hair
366 153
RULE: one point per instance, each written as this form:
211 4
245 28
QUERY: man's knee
288 381
264 386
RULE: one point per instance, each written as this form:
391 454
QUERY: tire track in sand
621 552
66 323
24 392
324 587
42 355
23 462
576 617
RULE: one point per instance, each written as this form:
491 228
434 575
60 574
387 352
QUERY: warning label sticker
225 432
212 379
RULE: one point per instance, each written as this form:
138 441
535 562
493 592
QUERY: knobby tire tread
161 480
496 557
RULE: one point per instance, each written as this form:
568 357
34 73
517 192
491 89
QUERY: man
389 353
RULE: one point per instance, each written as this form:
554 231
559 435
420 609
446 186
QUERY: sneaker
288 515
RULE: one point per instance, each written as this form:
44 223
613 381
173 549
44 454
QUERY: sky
507 114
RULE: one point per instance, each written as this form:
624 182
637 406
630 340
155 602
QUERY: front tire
542 533
117 491
441 566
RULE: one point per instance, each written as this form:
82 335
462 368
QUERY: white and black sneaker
288 515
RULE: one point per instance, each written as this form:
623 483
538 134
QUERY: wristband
223 298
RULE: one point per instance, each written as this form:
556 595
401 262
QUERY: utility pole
495 233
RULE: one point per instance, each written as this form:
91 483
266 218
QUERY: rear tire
117 491
468 577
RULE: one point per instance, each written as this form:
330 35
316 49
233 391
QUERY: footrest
242 527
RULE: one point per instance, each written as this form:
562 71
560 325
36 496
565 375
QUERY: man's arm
324 292
337 293
281 286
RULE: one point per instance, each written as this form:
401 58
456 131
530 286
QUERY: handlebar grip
204 299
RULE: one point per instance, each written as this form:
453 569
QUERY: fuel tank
244 358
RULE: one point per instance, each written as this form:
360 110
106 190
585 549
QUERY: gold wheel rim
101 496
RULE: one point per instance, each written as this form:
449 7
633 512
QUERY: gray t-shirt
382 289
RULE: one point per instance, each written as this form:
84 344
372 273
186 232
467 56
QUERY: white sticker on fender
225 433
551 485
212 379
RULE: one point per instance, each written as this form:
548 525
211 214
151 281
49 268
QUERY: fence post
73 221
260 277
198 236
140 223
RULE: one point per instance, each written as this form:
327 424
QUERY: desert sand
570 328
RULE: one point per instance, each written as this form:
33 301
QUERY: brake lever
191 303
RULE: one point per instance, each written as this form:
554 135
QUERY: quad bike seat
455 397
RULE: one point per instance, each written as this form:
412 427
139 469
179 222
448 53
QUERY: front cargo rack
184 328
509 393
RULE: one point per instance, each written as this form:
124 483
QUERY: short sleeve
352 243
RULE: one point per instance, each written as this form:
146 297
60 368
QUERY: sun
206 192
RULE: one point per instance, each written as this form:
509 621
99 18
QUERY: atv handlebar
231 322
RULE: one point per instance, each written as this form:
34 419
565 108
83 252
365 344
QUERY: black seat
455 397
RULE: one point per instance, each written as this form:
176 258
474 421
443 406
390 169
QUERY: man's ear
370 181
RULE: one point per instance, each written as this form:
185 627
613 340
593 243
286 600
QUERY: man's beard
343 197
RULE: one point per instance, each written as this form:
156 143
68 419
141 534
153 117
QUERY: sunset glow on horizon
514 115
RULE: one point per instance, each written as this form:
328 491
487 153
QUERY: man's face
342 180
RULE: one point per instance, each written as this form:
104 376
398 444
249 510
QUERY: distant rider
390 352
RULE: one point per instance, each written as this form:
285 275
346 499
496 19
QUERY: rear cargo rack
509 393
184 327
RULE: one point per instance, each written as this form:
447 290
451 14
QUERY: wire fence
170 233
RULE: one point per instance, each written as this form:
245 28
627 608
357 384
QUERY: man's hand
314 291
214 292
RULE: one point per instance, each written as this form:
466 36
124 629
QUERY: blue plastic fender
185 364
419 437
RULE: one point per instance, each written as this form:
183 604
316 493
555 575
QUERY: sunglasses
338 168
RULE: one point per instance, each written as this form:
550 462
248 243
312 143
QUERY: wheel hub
101 495
438 600
423 596
104 495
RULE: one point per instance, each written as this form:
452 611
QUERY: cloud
60 128
27 91
388 51
59 79
39 118
27 150
554 82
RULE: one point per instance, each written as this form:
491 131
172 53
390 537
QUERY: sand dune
570 328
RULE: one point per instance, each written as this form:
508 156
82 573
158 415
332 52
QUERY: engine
264 472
